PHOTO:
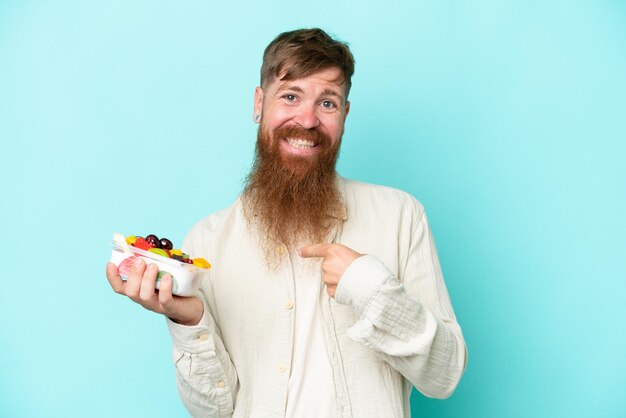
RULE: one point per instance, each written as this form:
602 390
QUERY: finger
172 306
314 250
133 283
182 310
114 278
148 283
166 299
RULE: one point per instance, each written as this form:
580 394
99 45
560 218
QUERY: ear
347 110
258 103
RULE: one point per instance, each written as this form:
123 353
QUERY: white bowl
186 278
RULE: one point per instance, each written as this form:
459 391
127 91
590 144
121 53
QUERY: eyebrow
284 87
325 92
331 92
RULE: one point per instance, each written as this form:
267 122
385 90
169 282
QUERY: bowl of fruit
186 272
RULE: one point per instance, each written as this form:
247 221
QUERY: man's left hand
336 257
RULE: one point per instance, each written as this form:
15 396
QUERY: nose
307 117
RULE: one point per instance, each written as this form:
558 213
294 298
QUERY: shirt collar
341 212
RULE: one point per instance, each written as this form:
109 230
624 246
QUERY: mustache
314 135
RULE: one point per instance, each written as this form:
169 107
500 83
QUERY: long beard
290 199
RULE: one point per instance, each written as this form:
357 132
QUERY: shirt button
221 385
281 369
203 337
289 305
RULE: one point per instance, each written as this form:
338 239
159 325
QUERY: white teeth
300 143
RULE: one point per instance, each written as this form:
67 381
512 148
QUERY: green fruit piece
174 282
158 251
160 274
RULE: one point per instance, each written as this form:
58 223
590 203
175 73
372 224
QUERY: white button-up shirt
390 327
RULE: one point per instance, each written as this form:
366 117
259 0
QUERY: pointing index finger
314 250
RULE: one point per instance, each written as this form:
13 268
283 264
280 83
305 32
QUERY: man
326 298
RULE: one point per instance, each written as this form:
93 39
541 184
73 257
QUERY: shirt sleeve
408 321
205 376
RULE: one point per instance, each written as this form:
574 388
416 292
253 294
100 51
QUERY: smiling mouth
300 143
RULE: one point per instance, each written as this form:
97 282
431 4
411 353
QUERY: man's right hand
140 288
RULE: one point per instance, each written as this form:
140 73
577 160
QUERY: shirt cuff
193 339
360 282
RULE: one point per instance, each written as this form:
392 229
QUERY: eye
290 97
327 104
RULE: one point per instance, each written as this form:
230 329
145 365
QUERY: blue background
506 119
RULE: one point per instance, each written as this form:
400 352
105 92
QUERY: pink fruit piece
125 266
